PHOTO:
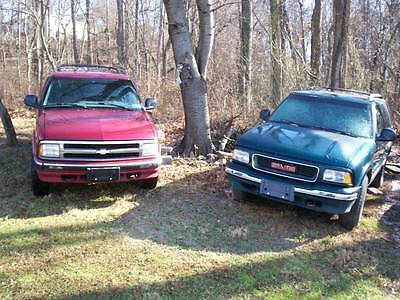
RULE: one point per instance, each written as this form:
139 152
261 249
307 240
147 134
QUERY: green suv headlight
241 156
336 176
49 150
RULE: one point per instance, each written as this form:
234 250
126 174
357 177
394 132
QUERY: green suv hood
308 144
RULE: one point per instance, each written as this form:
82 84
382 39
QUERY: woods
221 58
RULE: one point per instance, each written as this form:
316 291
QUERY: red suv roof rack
89 68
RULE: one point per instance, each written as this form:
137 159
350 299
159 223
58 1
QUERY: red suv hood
94 124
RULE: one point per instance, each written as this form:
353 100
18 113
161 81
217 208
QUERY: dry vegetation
186 239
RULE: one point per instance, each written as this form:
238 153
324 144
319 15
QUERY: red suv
92 127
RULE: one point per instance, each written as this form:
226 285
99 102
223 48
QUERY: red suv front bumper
76 172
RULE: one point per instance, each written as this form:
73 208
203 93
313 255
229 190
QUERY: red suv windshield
92 93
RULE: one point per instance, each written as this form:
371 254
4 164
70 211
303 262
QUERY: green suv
320 149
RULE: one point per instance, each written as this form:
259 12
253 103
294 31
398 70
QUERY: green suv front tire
352 219
239 195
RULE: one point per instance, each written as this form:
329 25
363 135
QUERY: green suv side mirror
387 135
265 114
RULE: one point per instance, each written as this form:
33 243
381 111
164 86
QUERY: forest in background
262 50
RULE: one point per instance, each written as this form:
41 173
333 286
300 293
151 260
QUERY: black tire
379 178
39 188
239 195
352 219
148 184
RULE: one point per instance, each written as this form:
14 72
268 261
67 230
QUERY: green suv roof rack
364 93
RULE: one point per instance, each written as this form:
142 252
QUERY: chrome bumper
317 193
153 163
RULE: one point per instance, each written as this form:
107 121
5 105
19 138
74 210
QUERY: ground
185 239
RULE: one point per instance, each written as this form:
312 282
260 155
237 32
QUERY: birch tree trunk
316 40
192 72
245 62
341 14
276 50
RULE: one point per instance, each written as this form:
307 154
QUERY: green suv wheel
353 217
239 195
379 178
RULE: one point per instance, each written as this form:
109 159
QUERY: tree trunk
246 46
192 73
341 14
302 31
165 57
89 54
136 41
121 33
160 41
276 50
74 42
11 137
288 33
316 41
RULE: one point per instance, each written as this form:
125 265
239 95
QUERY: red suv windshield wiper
65 105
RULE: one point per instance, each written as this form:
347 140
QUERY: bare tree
121 33
192 71
316 40
89 53
341 14
276 75
11 137
245 61
74 41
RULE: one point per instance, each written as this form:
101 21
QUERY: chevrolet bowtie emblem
102 151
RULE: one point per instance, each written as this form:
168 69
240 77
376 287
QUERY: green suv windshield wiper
331 130
286 122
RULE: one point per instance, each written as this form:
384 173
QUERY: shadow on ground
17 200
183 214
325 273
180 213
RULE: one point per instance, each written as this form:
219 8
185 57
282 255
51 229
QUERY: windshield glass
349 118
92 92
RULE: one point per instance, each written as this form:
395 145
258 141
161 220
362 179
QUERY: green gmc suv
320 149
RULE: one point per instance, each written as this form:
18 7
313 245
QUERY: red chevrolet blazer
92 127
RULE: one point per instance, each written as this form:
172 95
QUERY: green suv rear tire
352 219
379 178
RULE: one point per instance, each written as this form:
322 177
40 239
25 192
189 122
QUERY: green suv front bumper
316 196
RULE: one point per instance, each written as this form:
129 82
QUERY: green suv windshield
344 117
92 93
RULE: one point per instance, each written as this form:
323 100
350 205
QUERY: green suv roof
343 95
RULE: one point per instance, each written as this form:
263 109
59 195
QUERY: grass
186 239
